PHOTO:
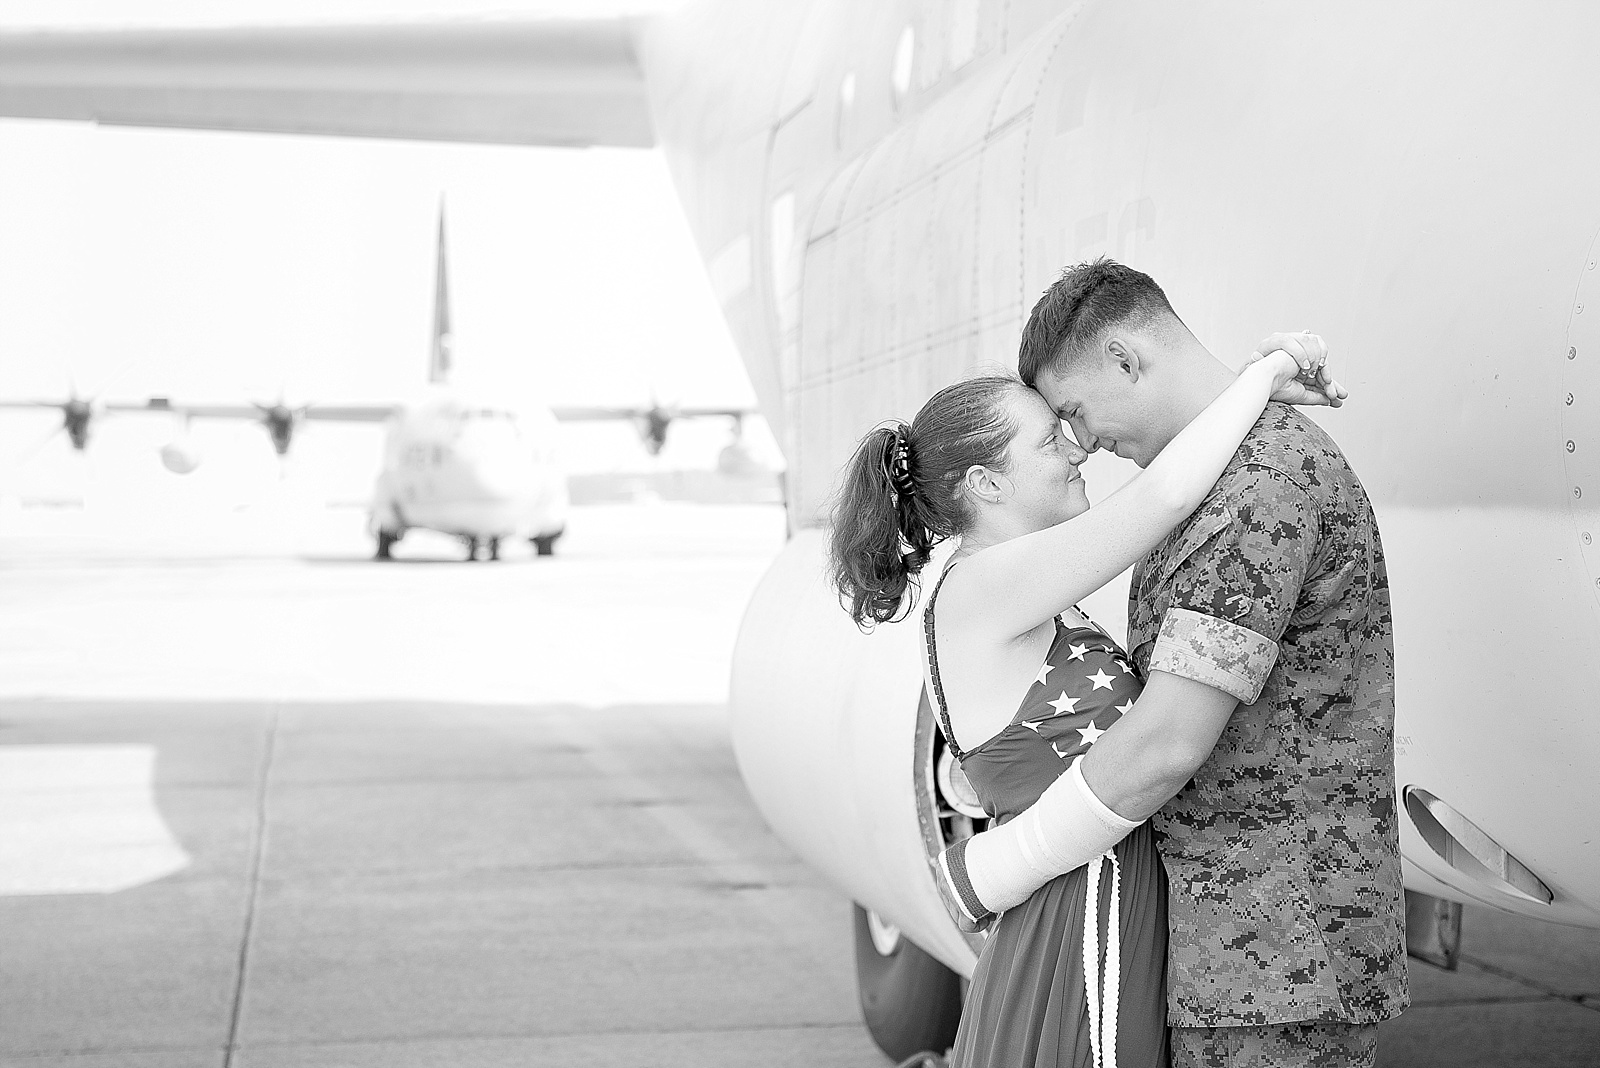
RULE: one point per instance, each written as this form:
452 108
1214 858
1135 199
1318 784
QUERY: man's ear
1124 358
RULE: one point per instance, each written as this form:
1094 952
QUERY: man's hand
1314 386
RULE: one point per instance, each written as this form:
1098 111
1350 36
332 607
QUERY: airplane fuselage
1405 179
481 472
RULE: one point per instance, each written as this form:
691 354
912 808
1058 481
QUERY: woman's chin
1077 499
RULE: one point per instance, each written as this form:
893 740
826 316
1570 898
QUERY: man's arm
1157 748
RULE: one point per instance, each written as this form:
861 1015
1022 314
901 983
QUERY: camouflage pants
1307 1044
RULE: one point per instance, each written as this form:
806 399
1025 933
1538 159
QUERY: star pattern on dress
1125 707
1064 704
1032 725
1077 651
1101 680
1091 733
1044 673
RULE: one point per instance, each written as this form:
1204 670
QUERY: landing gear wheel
545 544
911 1003
472 549
386 542
494 548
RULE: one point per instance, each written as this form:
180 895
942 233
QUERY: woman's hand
1300 369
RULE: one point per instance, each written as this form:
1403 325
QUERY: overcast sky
225 266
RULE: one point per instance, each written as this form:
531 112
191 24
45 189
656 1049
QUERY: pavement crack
1532 984
257 852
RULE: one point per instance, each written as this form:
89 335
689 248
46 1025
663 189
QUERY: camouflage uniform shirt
1282 852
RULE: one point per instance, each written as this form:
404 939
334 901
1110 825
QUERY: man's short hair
1083 303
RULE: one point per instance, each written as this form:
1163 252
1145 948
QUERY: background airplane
881 193
471 466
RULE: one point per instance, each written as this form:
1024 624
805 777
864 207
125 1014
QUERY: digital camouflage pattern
1206 649
1282 852
1307 1044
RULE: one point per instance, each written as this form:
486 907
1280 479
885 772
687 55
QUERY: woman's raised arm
1008 589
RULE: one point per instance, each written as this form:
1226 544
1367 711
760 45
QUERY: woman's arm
1001 867
1010 588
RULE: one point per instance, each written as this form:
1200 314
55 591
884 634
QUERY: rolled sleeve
1215 652
1229 586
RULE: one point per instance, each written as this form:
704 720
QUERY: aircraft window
730 269
785 261
782 241
904 53
847 100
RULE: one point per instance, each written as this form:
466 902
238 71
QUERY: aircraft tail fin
439 352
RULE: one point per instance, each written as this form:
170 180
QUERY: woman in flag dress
1023 683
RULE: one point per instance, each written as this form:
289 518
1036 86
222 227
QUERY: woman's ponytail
878 545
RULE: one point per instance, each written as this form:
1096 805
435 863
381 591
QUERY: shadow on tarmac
411 882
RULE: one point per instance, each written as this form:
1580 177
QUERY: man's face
1104 408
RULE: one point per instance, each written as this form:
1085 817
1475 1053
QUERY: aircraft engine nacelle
180 457
77 416
280 423
828 732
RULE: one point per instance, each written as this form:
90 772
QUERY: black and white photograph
811 533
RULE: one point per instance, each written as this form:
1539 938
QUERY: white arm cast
1065 829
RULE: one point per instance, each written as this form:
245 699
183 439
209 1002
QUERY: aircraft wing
595 414
350 413
202 411
342 413
580 415
564 82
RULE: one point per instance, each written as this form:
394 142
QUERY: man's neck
1195 379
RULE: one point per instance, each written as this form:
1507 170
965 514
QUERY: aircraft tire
494 548
910 1002
472 549
386 542
545 544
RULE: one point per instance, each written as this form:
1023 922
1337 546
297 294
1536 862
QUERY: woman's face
1042 464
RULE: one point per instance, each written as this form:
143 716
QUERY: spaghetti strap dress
1051 991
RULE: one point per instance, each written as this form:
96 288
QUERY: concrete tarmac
265 803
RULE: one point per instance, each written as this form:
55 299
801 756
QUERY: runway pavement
265 803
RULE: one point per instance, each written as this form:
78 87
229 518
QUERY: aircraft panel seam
1022 172
847 222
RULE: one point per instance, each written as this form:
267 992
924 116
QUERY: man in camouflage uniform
1262 626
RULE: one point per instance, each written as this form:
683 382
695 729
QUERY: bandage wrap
1065 829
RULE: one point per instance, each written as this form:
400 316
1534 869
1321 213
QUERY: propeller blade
33 450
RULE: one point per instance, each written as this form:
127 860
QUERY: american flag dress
1050 991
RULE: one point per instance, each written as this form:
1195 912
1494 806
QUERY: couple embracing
1195 858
